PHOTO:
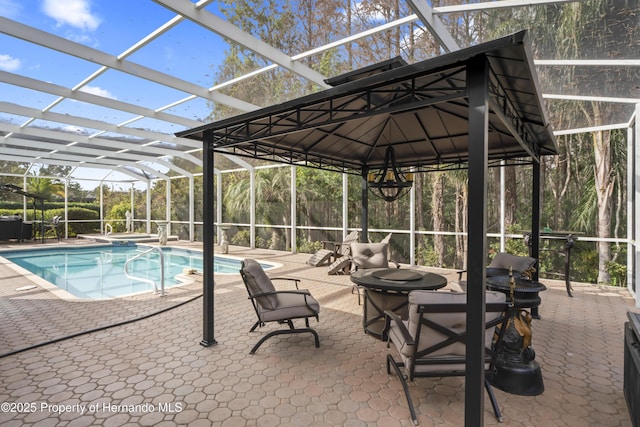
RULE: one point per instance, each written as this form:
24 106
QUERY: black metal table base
375 304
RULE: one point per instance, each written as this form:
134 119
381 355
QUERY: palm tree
272 206
45 187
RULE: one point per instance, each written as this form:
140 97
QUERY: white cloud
95 90
9 63
10 8
76 13
74 129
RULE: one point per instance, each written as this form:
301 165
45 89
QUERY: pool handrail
155 286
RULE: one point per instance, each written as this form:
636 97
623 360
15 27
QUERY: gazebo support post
364 216
208 284
535 216
478 92
534 249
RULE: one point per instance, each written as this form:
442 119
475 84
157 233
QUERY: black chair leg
356 290
492 398
286 332
405 386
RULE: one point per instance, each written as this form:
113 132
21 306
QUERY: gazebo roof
420 109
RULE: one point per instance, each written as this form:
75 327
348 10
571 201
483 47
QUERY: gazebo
470 109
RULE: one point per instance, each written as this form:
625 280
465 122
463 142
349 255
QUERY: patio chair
277 306
331 251
54 227
501 263
370 255
431 343
343 265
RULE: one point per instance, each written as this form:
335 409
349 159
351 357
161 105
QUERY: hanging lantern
389 183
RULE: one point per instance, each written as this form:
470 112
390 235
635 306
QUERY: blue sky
187 51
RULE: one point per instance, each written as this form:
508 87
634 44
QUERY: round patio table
388 289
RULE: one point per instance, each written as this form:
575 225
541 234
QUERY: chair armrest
389 316
304 292
334 245
297 291
288 279
460 273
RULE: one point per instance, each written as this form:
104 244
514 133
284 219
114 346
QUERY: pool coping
261 262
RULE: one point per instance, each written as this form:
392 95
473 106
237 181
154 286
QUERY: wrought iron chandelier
389 183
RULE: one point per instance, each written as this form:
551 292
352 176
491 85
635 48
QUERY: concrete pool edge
45 284
275 265
125 237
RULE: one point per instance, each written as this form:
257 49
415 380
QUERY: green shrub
307 247
618 273
77 214
82 214
10 212
12 206
241 238
118 215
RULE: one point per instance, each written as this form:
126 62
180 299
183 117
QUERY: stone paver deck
154 371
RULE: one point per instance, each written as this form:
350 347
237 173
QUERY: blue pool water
98 271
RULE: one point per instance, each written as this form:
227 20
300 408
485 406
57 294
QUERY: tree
46 188
274 23
591 29
460 181
437 211
272 208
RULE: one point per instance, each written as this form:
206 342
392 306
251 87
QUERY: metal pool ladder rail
155 286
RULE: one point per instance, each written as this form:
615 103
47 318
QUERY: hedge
75 214
13 205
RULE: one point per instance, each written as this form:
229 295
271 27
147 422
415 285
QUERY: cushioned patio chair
331 251
521 266
370 255
277 306
431 343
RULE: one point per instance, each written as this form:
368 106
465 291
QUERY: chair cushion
370 255
258 282
517 263
453 321
290 306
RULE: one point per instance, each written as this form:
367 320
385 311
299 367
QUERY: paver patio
154 372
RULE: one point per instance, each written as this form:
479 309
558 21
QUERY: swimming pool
96 272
